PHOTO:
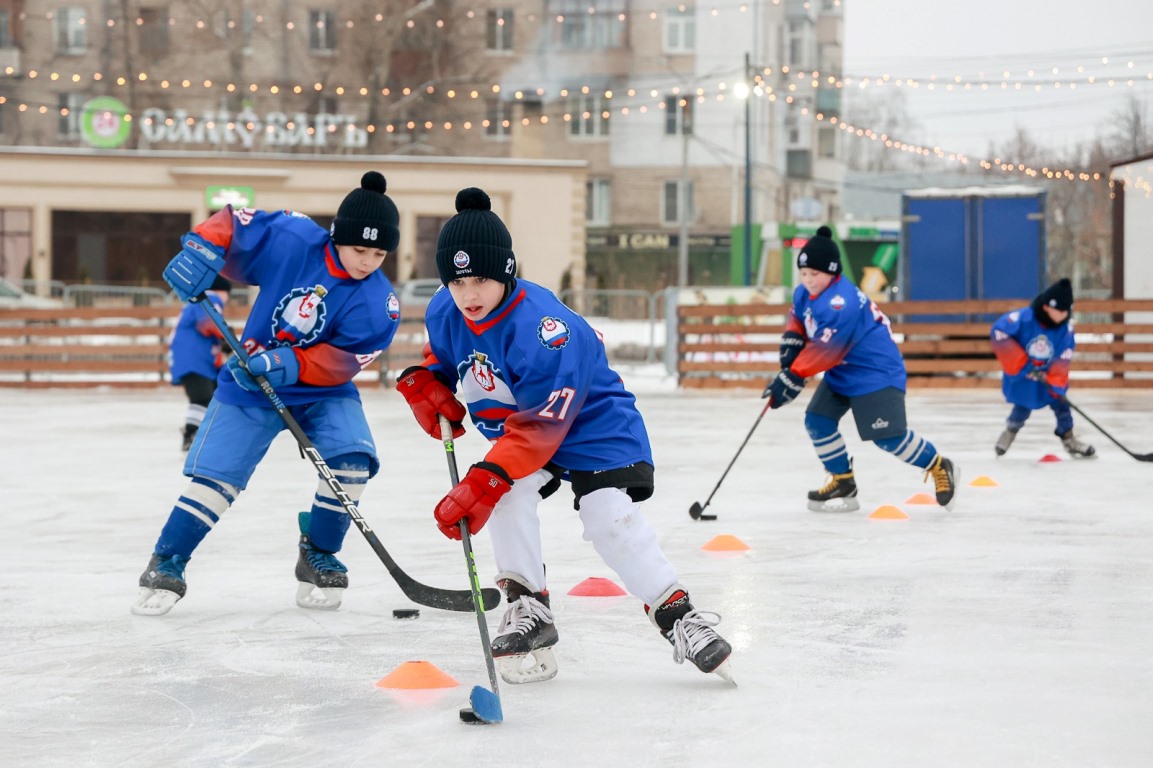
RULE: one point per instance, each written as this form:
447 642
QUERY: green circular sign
103 122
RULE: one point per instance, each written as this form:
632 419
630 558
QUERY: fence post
672 340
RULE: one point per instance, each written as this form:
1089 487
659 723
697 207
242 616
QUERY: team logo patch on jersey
553 332
392 306
299 317
837 303
461 260
1039 348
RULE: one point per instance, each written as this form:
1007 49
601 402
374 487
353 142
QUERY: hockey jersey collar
481 327
333 264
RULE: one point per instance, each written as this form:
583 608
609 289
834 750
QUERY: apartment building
644 96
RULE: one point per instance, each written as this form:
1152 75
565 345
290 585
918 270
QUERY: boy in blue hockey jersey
324 312
537 385
195 353
834 328
1035 348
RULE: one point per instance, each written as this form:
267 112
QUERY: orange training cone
1048 457
921 498
984 481
595 586
417 675
888 512
725 543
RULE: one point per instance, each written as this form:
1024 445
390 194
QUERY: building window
71 31
671 202
69 105
227 27
681 29
678 115
798 44
589 115
827 141
154 30
5 28
322 31
590 24
498 32
498 119
15 242
598 202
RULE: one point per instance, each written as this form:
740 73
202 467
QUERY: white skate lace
692 633
523 615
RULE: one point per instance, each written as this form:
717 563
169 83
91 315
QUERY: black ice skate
161 585
839 494
691 633
322 578
522 646
190 431
1004 441
944 480
1076 448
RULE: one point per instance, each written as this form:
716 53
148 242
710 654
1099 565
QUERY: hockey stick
697 510
422 594
485 704
1085 416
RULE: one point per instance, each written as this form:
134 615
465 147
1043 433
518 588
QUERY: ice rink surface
1016 630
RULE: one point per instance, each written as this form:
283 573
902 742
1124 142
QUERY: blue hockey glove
791 345
279 365
191 272
783 389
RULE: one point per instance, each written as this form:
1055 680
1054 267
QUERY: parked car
414 295
12 296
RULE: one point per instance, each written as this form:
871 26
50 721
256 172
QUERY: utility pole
748 244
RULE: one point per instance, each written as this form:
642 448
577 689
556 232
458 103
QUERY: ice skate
161 585
1076 448
522 646
321 578
190 431
691 633
944 480
1004 441
839 494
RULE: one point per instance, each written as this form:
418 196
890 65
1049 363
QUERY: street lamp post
748 244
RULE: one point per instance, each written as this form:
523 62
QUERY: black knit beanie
367 216
821 253
475 242
1059 296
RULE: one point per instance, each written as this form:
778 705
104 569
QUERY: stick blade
485 707
697 512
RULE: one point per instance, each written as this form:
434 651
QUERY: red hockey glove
428 395
472 498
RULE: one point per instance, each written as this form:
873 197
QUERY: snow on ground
1012 631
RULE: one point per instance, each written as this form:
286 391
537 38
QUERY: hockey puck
707 517
467 715
406 613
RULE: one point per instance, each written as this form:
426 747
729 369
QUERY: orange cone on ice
417 675
1049 457
921 498
595 586
888 512
725 543
984 481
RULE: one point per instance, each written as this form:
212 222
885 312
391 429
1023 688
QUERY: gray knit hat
475 242
367 216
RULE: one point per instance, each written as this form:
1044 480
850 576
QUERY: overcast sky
952 38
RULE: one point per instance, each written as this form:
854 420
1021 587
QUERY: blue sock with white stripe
910 448
830 445
329 522
195 514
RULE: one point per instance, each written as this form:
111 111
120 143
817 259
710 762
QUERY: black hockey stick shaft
470 559
422 594
696 509
1085 416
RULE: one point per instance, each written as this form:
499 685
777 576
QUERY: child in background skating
1034 345
834 328
324 312
195 354
537 384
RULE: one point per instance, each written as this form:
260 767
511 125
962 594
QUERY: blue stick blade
486 705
